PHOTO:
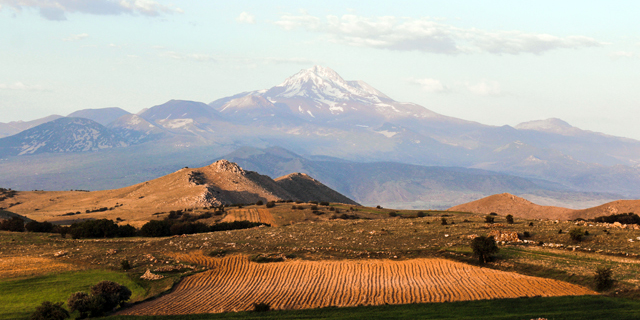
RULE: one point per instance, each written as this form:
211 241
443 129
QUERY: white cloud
76 37
246 17
428 35
430 85
199 57
622 55
57 9
19 86
485 88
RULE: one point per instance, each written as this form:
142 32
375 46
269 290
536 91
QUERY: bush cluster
624 218
103 298
102 228
14 224
165 228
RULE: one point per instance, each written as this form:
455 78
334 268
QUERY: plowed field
234 284
253 215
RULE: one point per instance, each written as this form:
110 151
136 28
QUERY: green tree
604 279
483 248
509 219
576 234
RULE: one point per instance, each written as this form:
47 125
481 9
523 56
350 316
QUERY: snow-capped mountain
319 94
61 135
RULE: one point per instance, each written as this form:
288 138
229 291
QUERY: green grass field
583 308
19 298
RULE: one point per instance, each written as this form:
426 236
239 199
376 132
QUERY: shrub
526 234
261 307
217 253
103 228
493 214
113 294
259 203
81 302
603 278
314 207
530 224
271 204
576 234
378 207
443 221
324 203
35 226
14 224
125 265
560 231
624 218
489 219
127 231
484 248
509 219
50 311
393 214
156 228
421 214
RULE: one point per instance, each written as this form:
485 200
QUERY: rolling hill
220 183
504 204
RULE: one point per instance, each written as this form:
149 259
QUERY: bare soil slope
235 283
614 207
504 204
306 188
222 182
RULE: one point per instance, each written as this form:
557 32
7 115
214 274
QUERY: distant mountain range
318 114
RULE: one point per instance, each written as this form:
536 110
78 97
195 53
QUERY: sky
494 62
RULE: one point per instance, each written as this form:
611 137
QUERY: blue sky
495 62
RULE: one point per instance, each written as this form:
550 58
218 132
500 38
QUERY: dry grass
29 266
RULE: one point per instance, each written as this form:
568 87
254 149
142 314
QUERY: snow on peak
323 84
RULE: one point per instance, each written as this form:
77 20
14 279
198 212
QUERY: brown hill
220 183
306 188
614 207
505 203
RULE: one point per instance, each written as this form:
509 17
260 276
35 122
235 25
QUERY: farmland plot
234 284
252 215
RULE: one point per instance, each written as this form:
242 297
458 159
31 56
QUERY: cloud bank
246 17
426 35
19 86
57 9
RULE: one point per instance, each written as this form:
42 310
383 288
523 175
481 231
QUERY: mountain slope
504 204
61 135
305 188
102 116
14 127
401 185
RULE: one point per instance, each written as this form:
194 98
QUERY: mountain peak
228 166
323 84
554 125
